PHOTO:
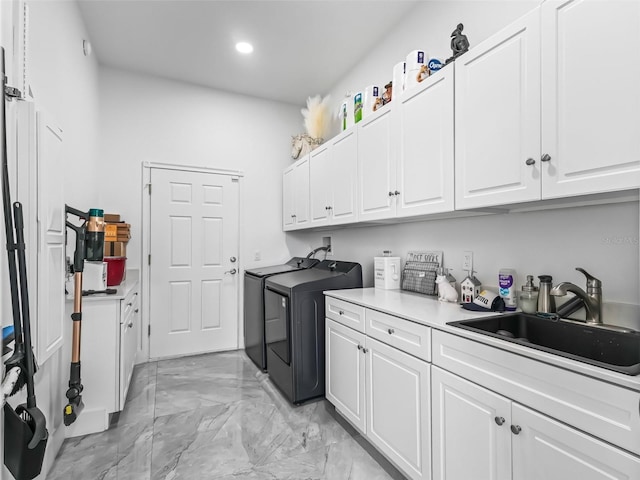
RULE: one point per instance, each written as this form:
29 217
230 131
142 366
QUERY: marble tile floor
216 416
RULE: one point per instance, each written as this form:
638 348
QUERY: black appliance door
254 320
277 324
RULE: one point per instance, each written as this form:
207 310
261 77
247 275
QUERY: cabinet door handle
515 429
391 331
545 158
530 161
136 310
396 192
341 312
499 420
130 325
365 350
391 194
129 304
360 347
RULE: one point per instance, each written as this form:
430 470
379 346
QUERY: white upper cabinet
497 117
333 172
590 96
424 146
546 107
319 195
295 195
344 178
376 167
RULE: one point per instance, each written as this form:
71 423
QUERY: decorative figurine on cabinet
459 43
469 288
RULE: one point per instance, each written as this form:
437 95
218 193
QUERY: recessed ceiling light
244 47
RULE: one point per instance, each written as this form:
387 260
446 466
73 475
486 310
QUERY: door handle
233 271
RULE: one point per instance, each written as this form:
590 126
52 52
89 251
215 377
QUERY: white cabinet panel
345 313
345 372
548 450
398 408
344 181
409 337
376 167
295 195
590 96
497 91
319 191
471 436
40 172
425 147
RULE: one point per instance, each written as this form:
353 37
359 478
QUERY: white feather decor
317 117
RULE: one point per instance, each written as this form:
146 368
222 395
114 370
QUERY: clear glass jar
528 301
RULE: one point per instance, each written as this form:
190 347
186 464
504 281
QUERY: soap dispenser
546 302
528 298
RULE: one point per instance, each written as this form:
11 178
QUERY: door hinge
12 92
149 260
149 189
149 331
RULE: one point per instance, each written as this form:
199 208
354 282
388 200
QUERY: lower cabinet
482 435
110 333
384 393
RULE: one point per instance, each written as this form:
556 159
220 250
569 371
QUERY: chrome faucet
592 298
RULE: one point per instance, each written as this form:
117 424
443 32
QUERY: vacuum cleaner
89 246
25 428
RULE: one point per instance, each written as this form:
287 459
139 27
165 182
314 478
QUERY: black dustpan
25 441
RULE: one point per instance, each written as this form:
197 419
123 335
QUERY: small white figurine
446 293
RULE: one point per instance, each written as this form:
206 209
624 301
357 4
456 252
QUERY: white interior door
194 267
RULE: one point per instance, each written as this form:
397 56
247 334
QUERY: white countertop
131 279
429 311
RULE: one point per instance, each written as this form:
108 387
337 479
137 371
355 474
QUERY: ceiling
302 47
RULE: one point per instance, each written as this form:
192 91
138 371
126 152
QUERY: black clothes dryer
294 325
254 279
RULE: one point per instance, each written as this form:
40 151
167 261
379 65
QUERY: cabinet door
376 167
398 406
319 185
288 198
51 237
471 436
343 177
590 96
128 345
345 377
497 117
548 450
301 193
424 130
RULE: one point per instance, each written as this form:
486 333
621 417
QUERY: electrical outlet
467 261
326 242
257 256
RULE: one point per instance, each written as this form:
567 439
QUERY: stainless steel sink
618 351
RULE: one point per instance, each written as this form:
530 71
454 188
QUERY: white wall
146 118
602 239
64 83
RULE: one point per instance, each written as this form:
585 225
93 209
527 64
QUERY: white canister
398 78
387 272
371 94
415 60
94 276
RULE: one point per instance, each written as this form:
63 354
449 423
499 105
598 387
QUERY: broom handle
24 298
8 217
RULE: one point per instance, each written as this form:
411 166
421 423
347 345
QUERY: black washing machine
254 279
294 325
